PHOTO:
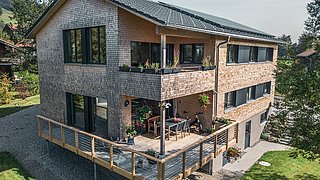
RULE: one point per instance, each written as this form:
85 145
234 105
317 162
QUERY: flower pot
151 71
166 71
124 69
176 70
130 141
137 70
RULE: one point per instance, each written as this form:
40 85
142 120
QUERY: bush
5 86
31 81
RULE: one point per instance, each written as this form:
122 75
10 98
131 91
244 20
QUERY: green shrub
5 86
31 81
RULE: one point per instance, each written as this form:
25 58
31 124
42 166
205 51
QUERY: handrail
101 139
197 143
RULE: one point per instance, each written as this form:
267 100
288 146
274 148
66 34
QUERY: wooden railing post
50 131
133 161
92 148
39 127
111 157
227 139
161 171
237 133
201 154
215 145
76 139
184 161
62 136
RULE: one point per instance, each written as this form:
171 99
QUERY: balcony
179 162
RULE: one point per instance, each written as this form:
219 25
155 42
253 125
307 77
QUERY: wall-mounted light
126 103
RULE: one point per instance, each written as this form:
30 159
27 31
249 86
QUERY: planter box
151 71
207 68
176 70
166 71
124 69
137 70
131 141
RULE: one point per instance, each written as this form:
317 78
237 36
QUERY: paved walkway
235 170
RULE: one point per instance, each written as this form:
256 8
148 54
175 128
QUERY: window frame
264 117
194 49
230 103
85 45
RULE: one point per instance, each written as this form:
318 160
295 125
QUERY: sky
275 17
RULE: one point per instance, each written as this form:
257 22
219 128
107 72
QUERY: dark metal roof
167 15
178 17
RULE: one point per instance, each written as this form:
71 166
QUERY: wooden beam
62 136
184 161
163 51
215 145
201 154
50 131
39 127
111 156
92 148
237 133
76 140
182 33
163 128
227 139
133 164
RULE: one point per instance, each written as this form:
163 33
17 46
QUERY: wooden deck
182 158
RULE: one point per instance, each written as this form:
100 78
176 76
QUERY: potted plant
153 153
143 114
131 132
204 101
175 63
140 163
124 68
221 122
211 130
152 68
233 153
207 64
138 69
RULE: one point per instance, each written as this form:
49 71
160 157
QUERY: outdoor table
171 124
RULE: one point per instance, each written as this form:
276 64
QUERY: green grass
284 167
10 169
18 105
5 17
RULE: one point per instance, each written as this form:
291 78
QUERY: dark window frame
264 117
230 100
233 51
85 44
194 49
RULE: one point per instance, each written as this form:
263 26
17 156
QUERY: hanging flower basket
204 101
233 153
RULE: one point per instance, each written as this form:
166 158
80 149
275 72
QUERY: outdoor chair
179 129
186 127
153 125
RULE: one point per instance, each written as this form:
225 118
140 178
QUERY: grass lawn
284 167
18 104
10 169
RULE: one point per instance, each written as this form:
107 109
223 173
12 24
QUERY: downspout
217 76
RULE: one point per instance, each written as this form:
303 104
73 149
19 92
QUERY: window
264 117
232 54
251 93
86 46
244 54
259 90
253 54
230 100
269 54
143 51
192 53
262 54
266 88
241 97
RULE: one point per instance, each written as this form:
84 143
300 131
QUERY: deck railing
123 160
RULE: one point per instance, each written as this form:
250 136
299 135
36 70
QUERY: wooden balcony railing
123 160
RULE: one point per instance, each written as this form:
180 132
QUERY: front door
247 135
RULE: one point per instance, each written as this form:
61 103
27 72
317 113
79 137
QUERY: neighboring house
6 48
82 44
308 56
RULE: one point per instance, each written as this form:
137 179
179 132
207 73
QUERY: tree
26 12
1 10
287 50
312 24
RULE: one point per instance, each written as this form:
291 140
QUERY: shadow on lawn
264 175
10 110
9 163
306 176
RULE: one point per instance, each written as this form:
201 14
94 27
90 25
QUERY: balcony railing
123 160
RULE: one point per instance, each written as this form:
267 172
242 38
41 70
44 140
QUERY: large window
242 96
86 45
191 53
87 113
246 54
143 51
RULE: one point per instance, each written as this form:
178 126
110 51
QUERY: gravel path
18 136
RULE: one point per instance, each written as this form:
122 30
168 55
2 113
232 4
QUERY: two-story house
87 102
